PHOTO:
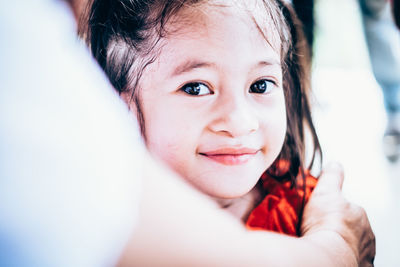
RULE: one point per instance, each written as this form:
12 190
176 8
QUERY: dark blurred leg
383 41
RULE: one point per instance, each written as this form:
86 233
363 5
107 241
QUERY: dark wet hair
123 37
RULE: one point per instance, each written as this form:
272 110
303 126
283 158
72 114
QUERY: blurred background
350 120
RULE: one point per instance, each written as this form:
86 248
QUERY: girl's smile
231 156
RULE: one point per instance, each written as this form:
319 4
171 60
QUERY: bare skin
241 207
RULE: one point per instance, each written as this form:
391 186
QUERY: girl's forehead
206 15
223 38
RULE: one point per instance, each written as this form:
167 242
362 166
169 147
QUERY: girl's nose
235 119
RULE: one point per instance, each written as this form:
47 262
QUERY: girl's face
213 102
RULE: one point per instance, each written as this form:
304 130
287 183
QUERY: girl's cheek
276 127
163 148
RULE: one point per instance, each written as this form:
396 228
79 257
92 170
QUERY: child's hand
331 221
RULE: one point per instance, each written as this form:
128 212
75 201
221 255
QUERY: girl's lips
231 156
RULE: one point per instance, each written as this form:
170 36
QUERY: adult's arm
178 226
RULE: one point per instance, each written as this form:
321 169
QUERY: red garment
279 211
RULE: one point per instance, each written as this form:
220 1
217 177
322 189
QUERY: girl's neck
242 207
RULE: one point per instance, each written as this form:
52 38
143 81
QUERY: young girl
220 91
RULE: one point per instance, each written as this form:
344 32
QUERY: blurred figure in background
69 183
383 41
396 12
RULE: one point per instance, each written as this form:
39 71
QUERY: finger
331 179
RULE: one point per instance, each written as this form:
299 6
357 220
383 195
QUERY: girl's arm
178 227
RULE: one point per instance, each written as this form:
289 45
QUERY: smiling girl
219 89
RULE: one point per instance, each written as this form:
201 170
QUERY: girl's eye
261 87
196 88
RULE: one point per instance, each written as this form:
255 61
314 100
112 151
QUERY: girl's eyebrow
264 63
191 64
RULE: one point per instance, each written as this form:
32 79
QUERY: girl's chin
227 194
227 183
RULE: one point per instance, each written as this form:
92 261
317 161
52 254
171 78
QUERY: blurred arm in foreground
177 226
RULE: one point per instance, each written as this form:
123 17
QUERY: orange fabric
279 211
